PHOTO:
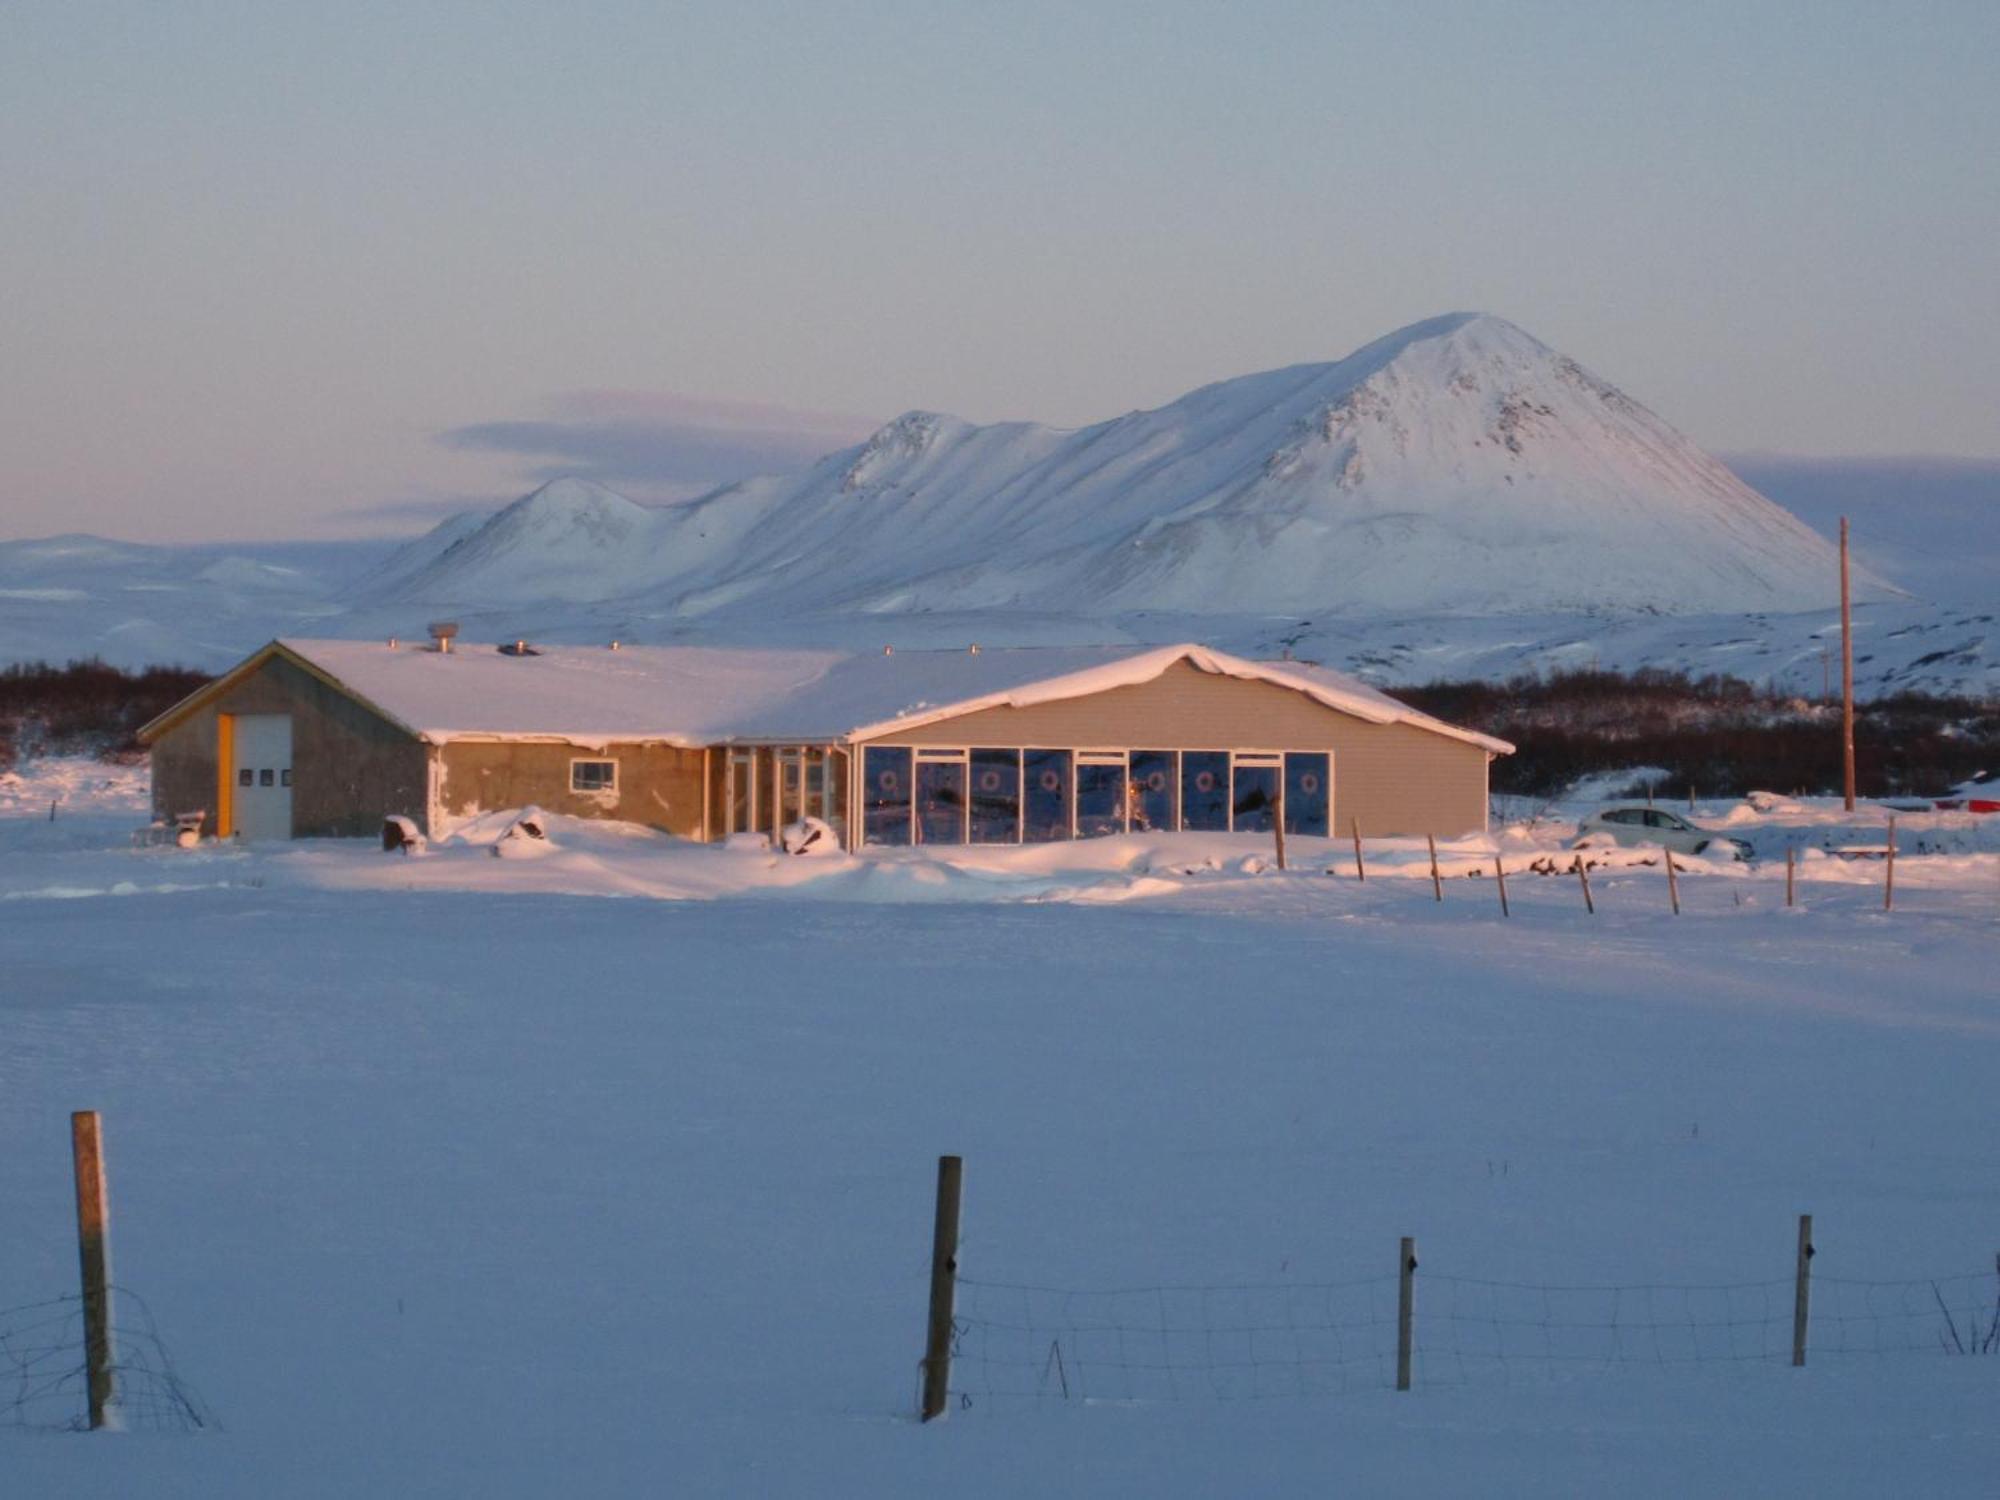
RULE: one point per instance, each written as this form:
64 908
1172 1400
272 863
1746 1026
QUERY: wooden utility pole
1790 857
1406 1310
1802 1293
1278 828
1437 885
1673 883
1500 874
1360 872
944 1287
1846 677
93 1243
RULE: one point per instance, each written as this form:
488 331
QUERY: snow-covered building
319 738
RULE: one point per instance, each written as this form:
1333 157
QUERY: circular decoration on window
989 780
1156 781
888 781
1204 781
1309 783
1051 781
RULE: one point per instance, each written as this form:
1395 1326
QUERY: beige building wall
658 785
350 766
1392 778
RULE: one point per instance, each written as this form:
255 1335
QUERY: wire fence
44 1382
1015 1342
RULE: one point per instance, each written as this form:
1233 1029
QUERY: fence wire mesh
44 1382
1016 1342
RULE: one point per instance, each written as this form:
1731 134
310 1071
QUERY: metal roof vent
518 648
975 648
614 645
443 632
888 650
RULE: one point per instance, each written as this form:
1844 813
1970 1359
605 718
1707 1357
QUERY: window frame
592 760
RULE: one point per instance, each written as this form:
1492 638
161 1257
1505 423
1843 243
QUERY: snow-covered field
445 1176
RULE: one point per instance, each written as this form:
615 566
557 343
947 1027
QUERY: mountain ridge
1457 465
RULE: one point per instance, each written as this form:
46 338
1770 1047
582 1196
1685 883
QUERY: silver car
1655 825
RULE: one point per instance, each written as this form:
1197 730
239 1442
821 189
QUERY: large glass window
1205 790
1045 797
1150 795
1308 792
742 790
1100 796
886 795
940 801
996 796
1254 804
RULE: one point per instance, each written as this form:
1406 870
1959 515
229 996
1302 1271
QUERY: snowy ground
439 1181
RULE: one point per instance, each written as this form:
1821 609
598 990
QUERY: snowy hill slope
1458 466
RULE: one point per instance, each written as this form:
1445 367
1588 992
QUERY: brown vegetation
1721 735
85 708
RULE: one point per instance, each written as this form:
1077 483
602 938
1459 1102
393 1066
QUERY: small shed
314 738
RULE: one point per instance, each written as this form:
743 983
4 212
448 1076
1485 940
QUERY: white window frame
941 755
592 760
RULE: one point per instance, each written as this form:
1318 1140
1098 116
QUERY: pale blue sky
283 270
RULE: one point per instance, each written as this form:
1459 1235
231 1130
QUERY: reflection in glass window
940 801
1308 792
996 796
1100 798
886 795
1205 790
1151 793
1255 803
1045 795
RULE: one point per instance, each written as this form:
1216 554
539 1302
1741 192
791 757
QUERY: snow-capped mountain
1458 466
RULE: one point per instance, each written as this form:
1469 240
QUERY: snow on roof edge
1144 666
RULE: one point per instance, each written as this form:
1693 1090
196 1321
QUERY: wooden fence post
1790 856
1406 1310
1673 883
1802 1297
1500 875
1360 873
1889 870
1278 827
944 1287
1588 904
93 1243
1437 885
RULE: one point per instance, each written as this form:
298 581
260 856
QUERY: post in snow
93 1243
944 1287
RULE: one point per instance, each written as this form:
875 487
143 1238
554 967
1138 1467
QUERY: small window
246 777
267 777
285 777
593 776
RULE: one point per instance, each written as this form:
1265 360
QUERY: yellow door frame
225 775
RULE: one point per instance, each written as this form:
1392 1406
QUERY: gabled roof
709 695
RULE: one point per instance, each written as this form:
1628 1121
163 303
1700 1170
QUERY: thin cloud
660 443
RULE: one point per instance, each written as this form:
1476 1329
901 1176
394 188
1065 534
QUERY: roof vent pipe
392 643
975 648
888 650
614 645
442 634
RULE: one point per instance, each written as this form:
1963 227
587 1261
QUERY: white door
261 797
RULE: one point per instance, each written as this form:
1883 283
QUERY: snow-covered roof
708 695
